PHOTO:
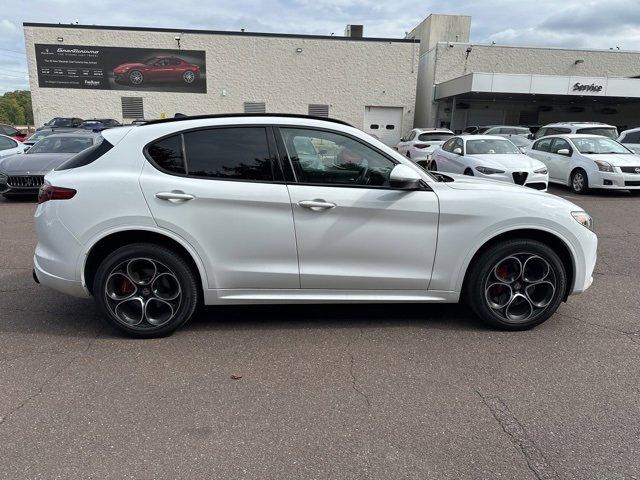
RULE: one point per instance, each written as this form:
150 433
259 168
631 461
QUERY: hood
129 65
617 159
511 162
34 163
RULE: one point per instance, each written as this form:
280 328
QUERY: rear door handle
316 205
175 196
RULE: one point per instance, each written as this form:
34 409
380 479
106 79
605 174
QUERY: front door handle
175 196
316 205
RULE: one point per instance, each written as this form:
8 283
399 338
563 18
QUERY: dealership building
432 77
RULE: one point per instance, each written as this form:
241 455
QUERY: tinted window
167 154
632 137
7 143
557 131
236 153
543 145
610 132
434 137
87 156
339 160
10 131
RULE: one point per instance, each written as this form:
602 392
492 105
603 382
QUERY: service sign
587 86
116 68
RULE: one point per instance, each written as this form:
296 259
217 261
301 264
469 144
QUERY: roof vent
354 31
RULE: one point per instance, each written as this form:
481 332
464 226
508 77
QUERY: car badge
637 169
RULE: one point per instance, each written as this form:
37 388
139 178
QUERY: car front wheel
579 181
145 290
188 76
136 77
516 284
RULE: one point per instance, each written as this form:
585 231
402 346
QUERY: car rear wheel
145 290
579 181
136 77
516 284
188 76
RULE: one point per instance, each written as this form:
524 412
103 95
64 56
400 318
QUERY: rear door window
167 154
543 145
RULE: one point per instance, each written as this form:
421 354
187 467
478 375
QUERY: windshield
435 136
491 147
519 141
57 144
598 146
610 132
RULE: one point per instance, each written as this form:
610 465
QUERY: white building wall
346 74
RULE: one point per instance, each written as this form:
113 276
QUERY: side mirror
564 151
457 151
404 177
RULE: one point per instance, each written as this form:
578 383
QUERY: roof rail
244 115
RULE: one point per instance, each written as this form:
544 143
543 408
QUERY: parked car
219 210
64 122
523 143
10 146
24 174
588 161
99 124
45 132
490 157
507 130
420 143
590 128
11 131
157 69
631 139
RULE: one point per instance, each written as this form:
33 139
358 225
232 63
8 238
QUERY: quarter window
229 153
448 145
167 154
7 143
335 159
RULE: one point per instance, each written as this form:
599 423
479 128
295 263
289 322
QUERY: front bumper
537 181
614 180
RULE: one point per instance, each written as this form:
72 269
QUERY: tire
189 77
145 290
468 172
577 185
136 77
433 166
523 303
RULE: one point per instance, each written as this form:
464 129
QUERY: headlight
604 166
488 170
542 170
583 218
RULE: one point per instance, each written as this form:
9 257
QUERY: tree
15 108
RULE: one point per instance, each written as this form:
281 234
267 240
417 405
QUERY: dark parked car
23 174
157 69
99 124
11 131
66 122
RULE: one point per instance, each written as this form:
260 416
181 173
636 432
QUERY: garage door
384 123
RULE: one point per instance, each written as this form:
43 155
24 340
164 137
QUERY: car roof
579 124
269 116
481 137
433 130
631 130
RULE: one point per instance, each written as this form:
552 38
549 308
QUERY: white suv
420 143
587 128
631 139
233 209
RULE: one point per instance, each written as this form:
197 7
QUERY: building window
318 110
132 107
255 107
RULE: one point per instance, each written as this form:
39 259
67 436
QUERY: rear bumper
70 287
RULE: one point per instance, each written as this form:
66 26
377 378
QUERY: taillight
422 145
49 192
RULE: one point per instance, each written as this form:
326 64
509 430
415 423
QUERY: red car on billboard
157 69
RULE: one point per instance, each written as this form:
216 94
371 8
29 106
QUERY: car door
559 165
222 191
457 161
443 155
540 151
355 232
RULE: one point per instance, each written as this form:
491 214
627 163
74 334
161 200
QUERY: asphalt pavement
350 391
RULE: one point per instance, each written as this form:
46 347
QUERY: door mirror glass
404 177
457 151
564 151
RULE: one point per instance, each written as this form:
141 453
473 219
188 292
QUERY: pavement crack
354 381
634 336
50 380
534 458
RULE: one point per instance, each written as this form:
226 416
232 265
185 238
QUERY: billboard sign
118 68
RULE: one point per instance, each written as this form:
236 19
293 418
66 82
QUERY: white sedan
588 161
420 143
10 146
491 157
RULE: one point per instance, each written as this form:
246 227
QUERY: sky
566 23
